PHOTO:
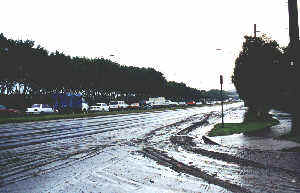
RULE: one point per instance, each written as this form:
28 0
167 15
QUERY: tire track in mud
31 158
186 142
177 166
32 126
181 138
195 125
149 135
28 170
73 132
236 160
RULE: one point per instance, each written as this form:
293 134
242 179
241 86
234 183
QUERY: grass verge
244 127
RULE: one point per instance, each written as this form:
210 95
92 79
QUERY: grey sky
180 38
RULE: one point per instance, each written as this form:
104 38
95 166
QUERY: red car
191 103
4 111
134 106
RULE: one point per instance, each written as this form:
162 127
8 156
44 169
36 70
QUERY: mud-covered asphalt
144 152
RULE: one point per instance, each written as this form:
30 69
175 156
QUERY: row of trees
29 71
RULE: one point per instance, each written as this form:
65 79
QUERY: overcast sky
179 38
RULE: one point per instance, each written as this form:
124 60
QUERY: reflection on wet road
107 154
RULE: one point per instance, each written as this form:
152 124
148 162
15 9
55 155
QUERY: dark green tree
256 73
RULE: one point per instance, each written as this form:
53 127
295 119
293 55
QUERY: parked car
157 102
39 109
4 111
199 103
99 107
134 105
171 103
117 105
147 106
182 103
191 103
211 102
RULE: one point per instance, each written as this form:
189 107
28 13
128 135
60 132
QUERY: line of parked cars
111 106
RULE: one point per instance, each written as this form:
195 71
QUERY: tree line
31 73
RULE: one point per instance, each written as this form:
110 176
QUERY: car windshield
35 105
2 107
113 103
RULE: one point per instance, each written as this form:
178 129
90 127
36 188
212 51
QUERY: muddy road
139 152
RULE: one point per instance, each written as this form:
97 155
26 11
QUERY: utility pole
255 30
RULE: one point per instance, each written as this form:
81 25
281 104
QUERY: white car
182 103
39 108
117 105
99 107
171 103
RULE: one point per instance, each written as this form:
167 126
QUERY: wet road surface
140 152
